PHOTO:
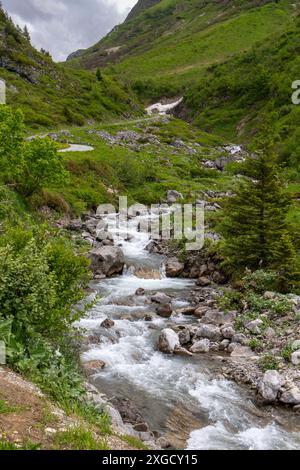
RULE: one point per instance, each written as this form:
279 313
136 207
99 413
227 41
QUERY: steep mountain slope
162 49
241 97
50 94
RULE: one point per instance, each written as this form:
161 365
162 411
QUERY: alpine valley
116 337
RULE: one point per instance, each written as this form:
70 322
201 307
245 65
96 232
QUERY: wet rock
164 311
270 385
201 346
174 267
295 358
200 312
184 335
148 318
168 341
255 326
107 261
107 323
140 292
141 427
211 332
203 282
187 311
180 351
92 367
163 443
161 298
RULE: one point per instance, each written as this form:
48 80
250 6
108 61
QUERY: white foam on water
131 357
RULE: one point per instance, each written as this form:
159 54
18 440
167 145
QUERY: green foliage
254 226
79 438
268 362
30 166
42 167
287 352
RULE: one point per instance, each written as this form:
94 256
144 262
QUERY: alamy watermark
2 353
296 94
160 221
2 92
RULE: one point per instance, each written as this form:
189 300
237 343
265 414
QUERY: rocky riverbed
172 367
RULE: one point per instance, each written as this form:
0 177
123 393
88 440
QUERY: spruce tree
254 226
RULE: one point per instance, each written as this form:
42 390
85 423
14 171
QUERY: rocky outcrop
107 261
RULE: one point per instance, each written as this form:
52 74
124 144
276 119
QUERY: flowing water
183 398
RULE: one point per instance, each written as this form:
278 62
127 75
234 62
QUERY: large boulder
174 267
270 385
107 261
211 332
168 341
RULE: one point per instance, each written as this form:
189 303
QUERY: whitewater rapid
167 389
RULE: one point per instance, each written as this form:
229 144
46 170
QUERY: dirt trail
28 418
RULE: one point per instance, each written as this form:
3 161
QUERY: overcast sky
63 26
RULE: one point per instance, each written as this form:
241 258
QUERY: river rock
211 332
173 196
200 311
224 344
270 385
161 298
107 261
107 323
291 396
164 311
174 267
203 282
228 332
168 341
201 346
184 335
240 351
240 338
255 326
295 358
92 367
187 311
140 292
217 317
180 351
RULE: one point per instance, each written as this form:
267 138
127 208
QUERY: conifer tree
254 226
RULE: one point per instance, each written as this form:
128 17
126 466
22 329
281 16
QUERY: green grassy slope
163 50
50 94
239 98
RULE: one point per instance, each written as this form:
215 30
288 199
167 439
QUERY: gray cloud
63 26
